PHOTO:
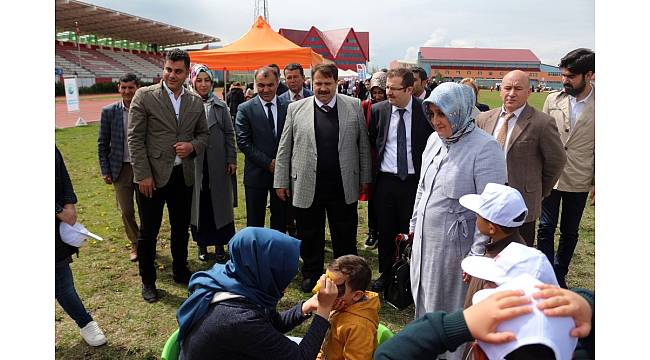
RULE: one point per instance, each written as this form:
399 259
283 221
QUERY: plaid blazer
110 144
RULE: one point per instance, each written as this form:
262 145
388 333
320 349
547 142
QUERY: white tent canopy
347 74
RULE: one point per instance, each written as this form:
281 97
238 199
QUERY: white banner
71 94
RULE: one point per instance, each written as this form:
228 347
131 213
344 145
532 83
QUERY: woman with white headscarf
215 187
459 159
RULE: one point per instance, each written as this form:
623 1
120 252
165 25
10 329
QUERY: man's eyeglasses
395 89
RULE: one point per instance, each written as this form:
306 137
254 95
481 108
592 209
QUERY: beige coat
535 156
579 144
153 130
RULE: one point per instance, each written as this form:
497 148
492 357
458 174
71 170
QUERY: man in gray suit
295 77
531 143
322 165
114 159
167 128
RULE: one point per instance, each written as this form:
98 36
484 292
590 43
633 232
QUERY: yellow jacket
353 331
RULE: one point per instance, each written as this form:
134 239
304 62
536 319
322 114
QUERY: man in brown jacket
531 143
167 128
574 112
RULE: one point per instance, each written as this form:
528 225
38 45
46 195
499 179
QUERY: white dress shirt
176 103
511 125
389 163
330 104
274 110
576 107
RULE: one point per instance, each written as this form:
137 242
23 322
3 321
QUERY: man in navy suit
295 78
398 131
114 159
258 126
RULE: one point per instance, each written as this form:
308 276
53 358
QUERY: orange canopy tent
260 46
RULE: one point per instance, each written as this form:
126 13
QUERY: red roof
333 39
477 54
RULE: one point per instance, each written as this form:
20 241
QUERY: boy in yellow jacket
353 331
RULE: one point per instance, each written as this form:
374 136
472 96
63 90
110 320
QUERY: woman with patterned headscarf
215 184
459 159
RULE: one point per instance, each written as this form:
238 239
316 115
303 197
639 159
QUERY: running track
91 107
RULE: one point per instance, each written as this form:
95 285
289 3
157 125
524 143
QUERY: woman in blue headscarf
459 159
231 314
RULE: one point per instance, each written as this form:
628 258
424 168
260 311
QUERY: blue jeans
573 204
67 297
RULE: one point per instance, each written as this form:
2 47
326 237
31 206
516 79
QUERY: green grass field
109 285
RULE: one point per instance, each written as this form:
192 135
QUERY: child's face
346 296
484 226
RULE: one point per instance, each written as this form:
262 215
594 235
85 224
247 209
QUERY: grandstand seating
104 63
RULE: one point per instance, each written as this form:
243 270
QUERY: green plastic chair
383 334
171 348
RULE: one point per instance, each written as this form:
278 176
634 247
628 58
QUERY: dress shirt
293 95
176 103
274 109
330 104
511 125
125 122
389 163
423 95
577 107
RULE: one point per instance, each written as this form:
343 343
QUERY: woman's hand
326 296
310 305
483 318
563 302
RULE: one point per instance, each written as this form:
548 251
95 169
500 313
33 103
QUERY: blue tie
402 162
270 117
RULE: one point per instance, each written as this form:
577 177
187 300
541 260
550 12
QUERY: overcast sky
549 28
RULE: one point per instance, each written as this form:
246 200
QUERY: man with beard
574 112
322 165
531 145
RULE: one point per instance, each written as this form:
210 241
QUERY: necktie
503 132
402 162
269 115
297 97
326 108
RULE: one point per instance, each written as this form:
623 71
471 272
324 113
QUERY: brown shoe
133 256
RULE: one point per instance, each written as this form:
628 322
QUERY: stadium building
486 66
345 47
99 45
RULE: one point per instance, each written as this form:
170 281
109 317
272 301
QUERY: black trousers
310 225
178 198
256 208
394 200
572 207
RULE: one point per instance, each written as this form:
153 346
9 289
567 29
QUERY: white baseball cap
514 260
499 204
532 328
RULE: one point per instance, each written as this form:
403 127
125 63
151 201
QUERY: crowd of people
462 183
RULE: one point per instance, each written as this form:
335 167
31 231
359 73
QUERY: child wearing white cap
500 210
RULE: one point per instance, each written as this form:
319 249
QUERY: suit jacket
535 155
379 127
295 166
153 130
579 143
255 139
110 142
286 96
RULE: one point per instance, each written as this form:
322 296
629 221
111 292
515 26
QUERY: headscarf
457 102
194 73
262 263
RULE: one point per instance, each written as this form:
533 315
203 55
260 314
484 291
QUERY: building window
446 72
315 46
480 72
501 73
533 74
458 72
350 48
469 73
313 39
352 41
490 73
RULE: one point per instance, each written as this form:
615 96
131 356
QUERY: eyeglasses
395 89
